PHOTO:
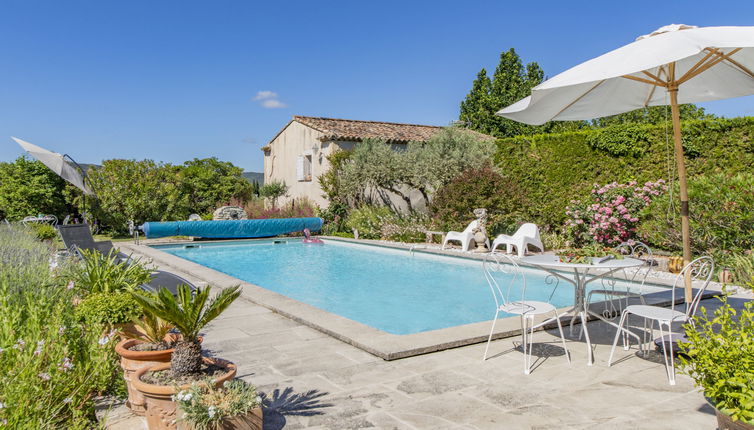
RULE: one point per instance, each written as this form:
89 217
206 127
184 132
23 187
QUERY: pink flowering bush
611 214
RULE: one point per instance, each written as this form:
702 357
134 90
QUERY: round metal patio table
579 275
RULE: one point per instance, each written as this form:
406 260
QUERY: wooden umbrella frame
671 84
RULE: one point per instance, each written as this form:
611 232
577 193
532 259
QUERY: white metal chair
527 234
639 251
512 301
466 237
699 270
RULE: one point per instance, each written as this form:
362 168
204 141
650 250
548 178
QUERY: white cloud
269 100
264 95
273 104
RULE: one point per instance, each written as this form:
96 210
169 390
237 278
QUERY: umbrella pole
685 229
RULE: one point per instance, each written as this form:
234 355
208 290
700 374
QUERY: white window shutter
300 168
308 167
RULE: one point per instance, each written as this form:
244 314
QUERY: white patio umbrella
65 168
675 64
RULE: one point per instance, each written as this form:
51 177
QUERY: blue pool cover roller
226 229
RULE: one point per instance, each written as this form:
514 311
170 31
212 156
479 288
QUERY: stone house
297 155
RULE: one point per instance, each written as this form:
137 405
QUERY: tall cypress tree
510 83
476 109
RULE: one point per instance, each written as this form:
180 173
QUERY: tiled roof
353 130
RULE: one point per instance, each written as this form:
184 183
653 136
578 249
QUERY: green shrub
721 215
620 140
408 228
368 220
484 187
44 231
720 359
334 218
743 269
99 273
553 169
108 309
51 365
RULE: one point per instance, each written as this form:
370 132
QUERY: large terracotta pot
161 409
131 361
725 422
252 420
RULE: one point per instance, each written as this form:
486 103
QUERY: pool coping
377 342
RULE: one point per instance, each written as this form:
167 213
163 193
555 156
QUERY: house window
304 167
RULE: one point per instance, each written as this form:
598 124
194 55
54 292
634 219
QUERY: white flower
211 411
66 365
70 285
41 343
259 399
44 376
104 340
2 405
67 400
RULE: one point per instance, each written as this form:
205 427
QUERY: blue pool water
384 288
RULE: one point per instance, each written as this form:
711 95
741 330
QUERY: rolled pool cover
226 229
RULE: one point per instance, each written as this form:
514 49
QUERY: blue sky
174 80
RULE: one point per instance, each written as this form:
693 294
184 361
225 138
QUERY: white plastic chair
701 270
466 237
513 301
527 234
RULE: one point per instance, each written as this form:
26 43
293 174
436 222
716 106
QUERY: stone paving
313 381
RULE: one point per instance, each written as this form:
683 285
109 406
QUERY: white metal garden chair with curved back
512 300
612 293
699 270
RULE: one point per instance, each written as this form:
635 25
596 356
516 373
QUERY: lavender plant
51 365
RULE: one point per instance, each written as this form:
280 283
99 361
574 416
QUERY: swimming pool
389 289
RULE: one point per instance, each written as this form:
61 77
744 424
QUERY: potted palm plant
719 356
189 313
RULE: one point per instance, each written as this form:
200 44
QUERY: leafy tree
424 166
273 191
189 313
255 189
330 181
136 190
652 115
479 187
207 182
510 82
28 187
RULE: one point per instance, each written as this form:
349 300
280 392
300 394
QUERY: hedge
553 169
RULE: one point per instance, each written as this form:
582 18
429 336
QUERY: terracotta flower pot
161 409
131 361
725 422
252 420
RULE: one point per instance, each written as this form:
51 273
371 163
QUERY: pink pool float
309 239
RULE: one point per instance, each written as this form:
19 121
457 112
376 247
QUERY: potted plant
720 359
189 313
233 406
153 345
113 310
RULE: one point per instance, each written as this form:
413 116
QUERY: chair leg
623 318
562 337
669 369
524 334
489 339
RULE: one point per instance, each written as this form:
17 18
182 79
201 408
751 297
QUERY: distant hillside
254 177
